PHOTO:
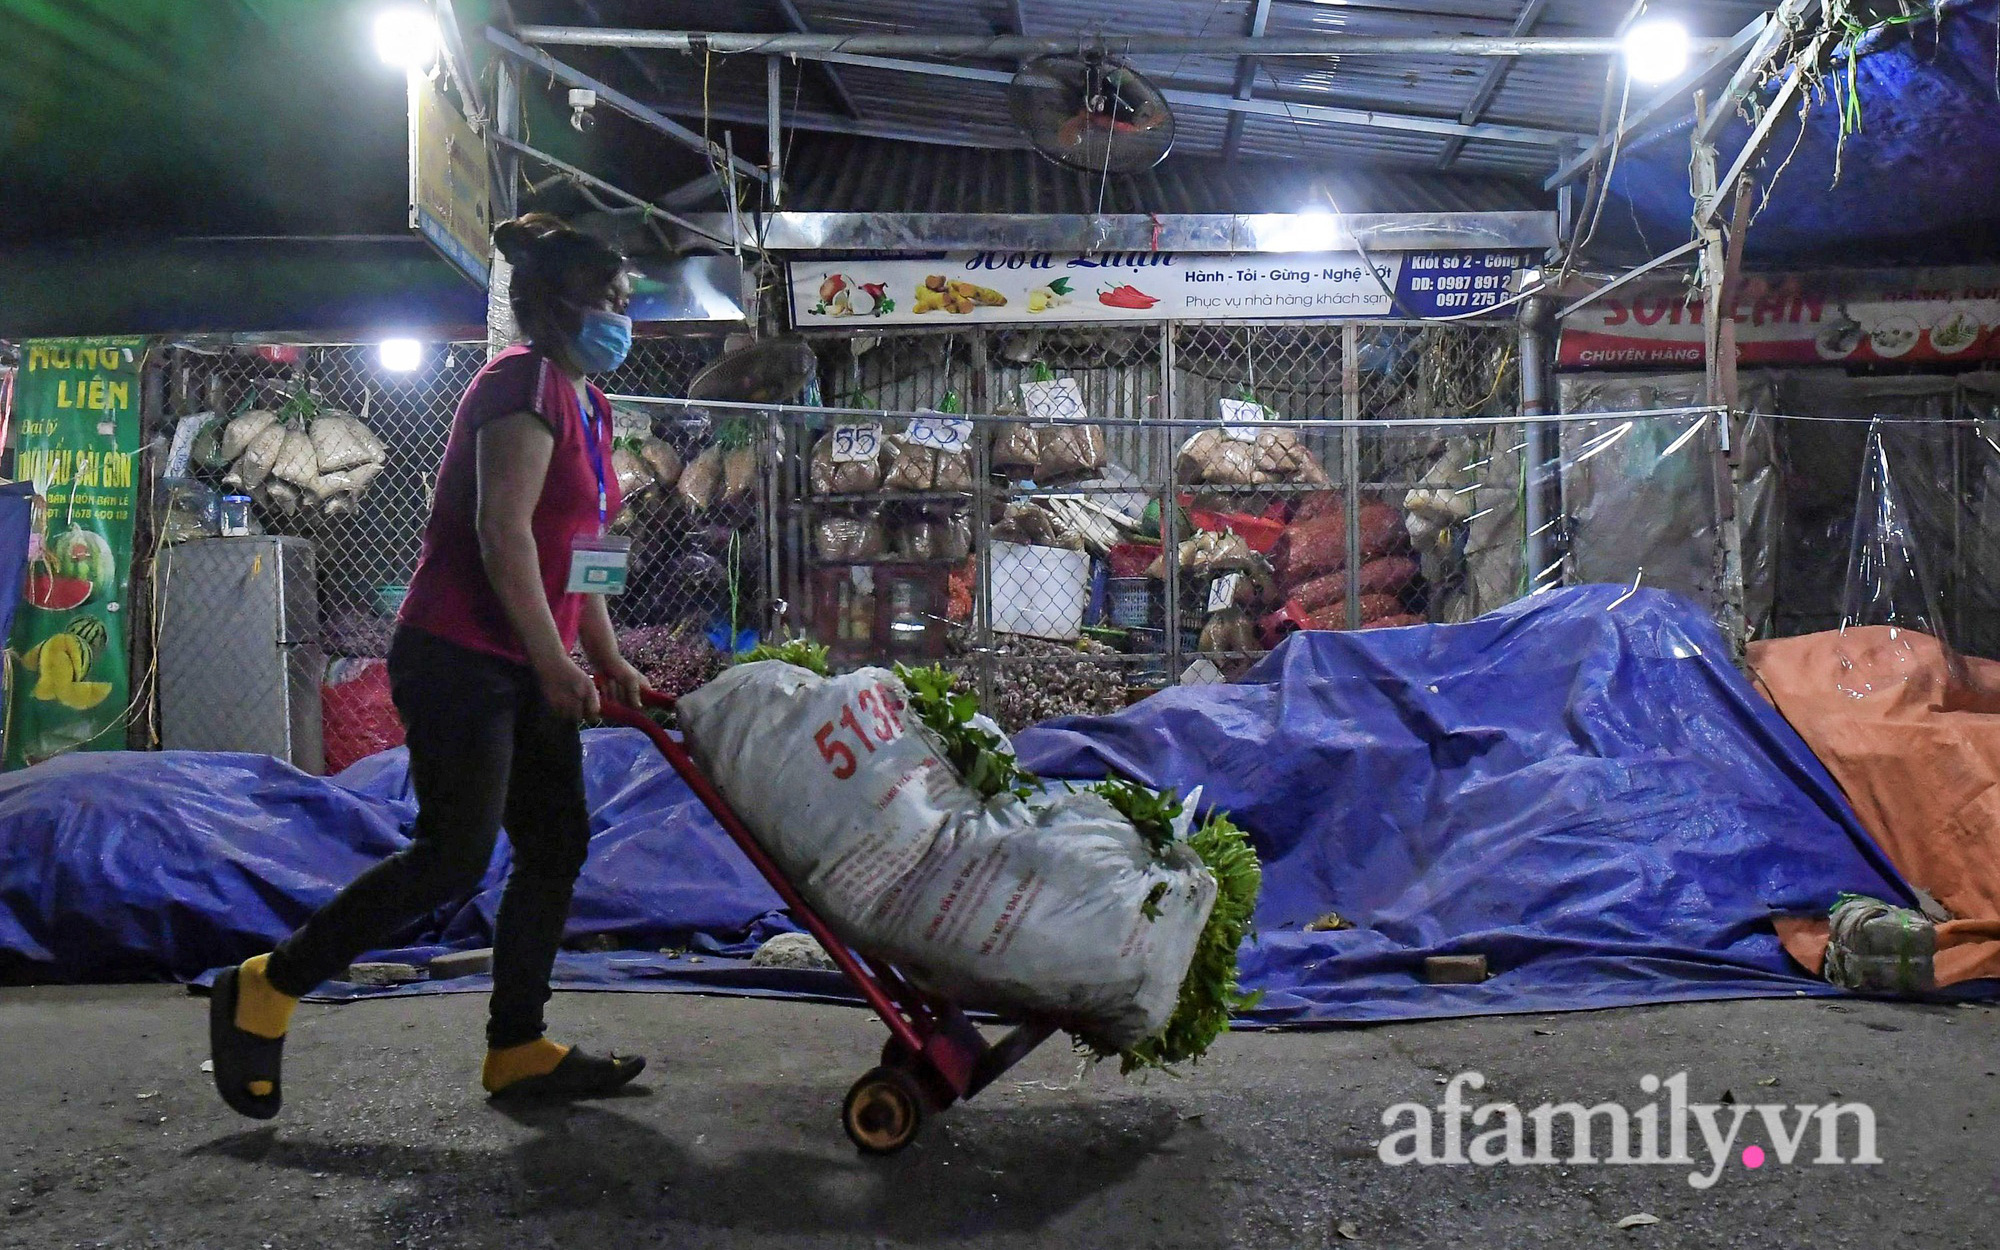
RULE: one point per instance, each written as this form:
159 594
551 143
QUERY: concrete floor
113 1137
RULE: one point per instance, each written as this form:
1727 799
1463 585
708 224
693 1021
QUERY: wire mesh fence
1075 517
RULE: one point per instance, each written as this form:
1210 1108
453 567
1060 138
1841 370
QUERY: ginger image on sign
939 293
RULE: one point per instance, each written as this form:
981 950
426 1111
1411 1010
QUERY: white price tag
853 444
939 433
1235 414
1222 591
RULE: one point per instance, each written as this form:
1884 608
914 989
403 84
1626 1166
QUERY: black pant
484 747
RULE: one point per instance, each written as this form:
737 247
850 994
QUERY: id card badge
598 566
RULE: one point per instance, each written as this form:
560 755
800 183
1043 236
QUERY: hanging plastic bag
1063 452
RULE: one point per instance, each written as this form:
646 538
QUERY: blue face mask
603 341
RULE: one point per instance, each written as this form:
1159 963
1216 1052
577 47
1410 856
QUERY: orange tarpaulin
1914 739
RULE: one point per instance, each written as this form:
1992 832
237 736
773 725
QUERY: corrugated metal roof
1559 94
841 174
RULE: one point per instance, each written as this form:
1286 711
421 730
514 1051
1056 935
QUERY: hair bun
524 239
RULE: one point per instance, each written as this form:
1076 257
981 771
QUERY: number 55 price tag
855 443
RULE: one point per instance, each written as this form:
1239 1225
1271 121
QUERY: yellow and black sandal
241 1057
577 1076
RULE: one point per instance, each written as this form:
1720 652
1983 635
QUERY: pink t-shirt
450 595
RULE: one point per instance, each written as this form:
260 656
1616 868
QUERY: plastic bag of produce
1213 458
357 717
739 475
833 474
1228 630
260 454
243 430
1053 906
663 460
911 468
1065 453
702 481
1312 548
342 442
634 478
1282 457
1016 449
1373 608
1390 575
841 538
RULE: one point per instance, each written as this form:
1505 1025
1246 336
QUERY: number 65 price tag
855 443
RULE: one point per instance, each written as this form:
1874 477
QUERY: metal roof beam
828 123
457 63
1496 74
1246 81
1668 103
1020 47
1286 109
588 179
1791 15
797 21
614 97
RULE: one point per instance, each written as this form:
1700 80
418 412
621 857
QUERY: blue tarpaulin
1580 788
1914 183
134 866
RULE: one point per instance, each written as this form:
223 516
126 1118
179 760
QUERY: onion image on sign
1895 336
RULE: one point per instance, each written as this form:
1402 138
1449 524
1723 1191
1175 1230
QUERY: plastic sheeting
142 866
1871 463
1580 787
1639 494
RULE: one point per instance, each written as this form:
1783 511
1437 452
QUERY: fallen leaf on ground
1346 1229
1638 1221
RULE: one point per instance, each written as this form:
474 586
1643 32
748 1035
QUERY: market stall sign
451 183
1906 317
77 438
1032 288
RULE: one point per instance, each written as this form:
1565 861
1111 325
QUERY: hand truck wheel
883 1111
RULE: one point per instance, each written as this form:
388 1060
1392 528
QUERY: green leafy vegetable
797 652
1210 994
980 755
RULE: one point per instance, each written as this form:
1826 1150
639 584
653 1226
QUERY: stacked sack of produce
912 830
301 456
1311 565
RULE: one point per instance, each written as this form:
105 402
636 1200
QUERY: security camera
581 103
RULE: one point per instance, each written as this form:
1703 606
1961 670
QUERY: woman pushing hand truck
515 567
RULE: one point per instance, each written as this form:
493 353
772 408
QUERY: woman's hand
625 684
569 691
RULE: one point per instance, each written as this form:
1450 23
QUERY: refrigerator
239 657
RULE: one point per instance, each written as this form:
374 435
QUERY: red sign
1917 316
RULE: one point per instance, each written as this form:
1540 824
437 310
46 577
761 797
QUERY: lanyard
594 421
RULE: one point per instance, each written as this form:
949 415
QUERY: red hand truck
934 1057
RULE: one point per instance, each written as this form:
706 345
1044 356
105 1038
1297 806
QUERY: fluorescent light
402 355
1657 51
406 37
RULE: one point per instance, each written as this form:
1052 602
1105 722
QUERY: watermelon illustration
92 632
52 592
86 556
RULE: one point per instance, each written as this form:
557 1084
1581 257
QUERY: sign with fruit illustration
1041 287
76 406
